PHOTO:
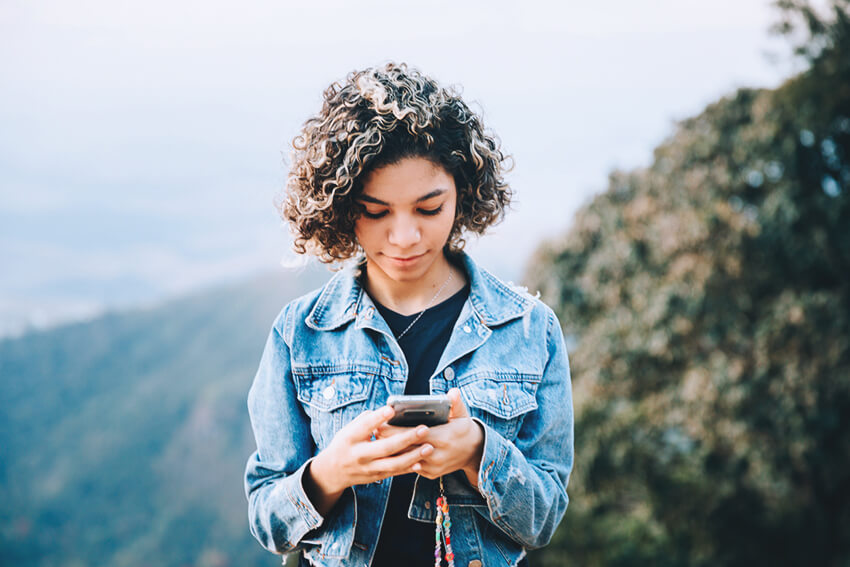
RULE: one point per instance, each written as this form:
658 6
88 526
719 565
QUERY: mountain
123 439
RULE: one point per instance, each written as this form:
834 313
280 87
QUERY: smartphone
419 410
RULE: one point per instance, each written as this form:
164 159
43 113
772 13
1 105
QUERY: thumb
363 426
458 407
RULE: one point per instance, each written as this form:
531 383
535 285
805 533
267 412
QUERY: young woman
394 171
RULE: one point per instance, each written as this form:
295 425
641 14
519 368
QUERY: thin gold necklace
430 303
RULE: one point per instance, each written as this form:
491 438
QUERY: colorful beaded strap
443 534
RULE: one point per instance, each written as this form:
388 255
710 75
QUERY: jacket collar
343 299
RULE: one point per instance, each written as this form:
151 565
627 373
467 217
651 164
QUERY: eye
431 212
369 215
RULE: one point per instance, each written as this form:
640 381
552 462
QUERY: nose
404 233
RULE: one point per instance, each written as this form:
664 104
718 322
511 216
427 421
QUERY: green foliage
709 299
123 440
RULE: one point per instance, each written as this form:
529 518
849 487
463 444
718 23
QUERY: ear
458 407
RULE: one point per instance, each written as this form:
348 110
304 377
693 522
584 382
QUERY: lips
406 259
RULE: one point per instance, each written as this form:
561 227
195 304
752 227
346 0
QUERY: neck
408 297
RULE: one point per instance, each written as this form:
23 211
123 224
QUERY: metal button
427 505
467 329
329 392
474 563
449 374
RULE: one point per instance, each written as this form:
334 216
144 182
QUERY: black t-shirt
404 541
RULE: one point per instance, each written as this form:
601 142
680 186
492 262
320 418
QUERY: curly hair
376 118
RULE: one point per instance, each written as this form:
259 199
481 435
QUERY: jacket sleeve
281 516
524 482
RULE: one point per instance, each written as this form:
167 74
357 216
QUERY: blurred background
681 179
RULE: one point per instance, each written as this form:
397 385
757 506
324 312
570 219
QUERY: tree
708 297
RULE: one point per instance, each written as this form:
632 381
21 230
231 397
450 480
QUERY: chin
405 273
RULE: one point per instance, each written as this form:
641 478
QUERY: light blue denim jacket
331 356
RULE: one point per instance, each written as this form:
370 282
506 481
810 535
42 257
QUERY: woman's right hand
353 458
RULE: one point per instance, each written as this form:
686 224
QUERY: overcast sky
141 143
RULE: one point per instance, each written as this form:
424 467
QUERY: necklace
427 307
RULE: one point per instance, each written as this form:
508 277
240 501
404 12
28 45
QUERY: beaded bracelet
443 531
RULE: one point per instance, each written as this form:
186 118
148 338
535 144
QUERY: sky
143 144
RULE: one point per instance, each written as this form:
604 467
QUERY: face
409 214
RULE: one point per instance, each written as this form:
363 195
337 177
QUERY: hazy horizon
141 148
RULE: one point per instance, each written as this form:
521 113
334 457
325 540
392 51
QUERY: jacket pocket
332 396
500 400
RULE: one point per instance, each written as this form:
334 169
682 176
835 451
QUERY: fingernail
421 430
388 411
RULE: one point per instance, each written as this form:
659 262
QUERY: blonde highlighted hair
374 118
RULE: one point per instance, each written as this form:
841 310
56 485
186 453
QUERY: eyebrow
431 195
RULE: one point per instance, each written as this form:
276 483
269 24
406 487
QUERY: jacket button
474 563
449 374
467 329
329 392
427 505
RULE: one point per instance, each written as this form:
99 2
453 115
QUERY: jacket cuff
335 533
280 514
495 449
310 519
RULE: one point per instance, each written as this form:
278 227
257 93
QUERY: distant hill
123 440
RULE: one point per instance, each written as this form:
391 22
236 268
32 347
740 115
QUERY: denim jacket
331 356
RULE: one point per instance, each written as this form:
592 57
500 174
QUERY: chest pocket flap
327 388
505 396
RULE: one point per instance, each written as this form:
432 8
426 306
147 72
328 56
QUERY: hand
353 458
457 445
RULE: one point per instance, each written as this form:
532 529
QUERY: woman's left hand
458 444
